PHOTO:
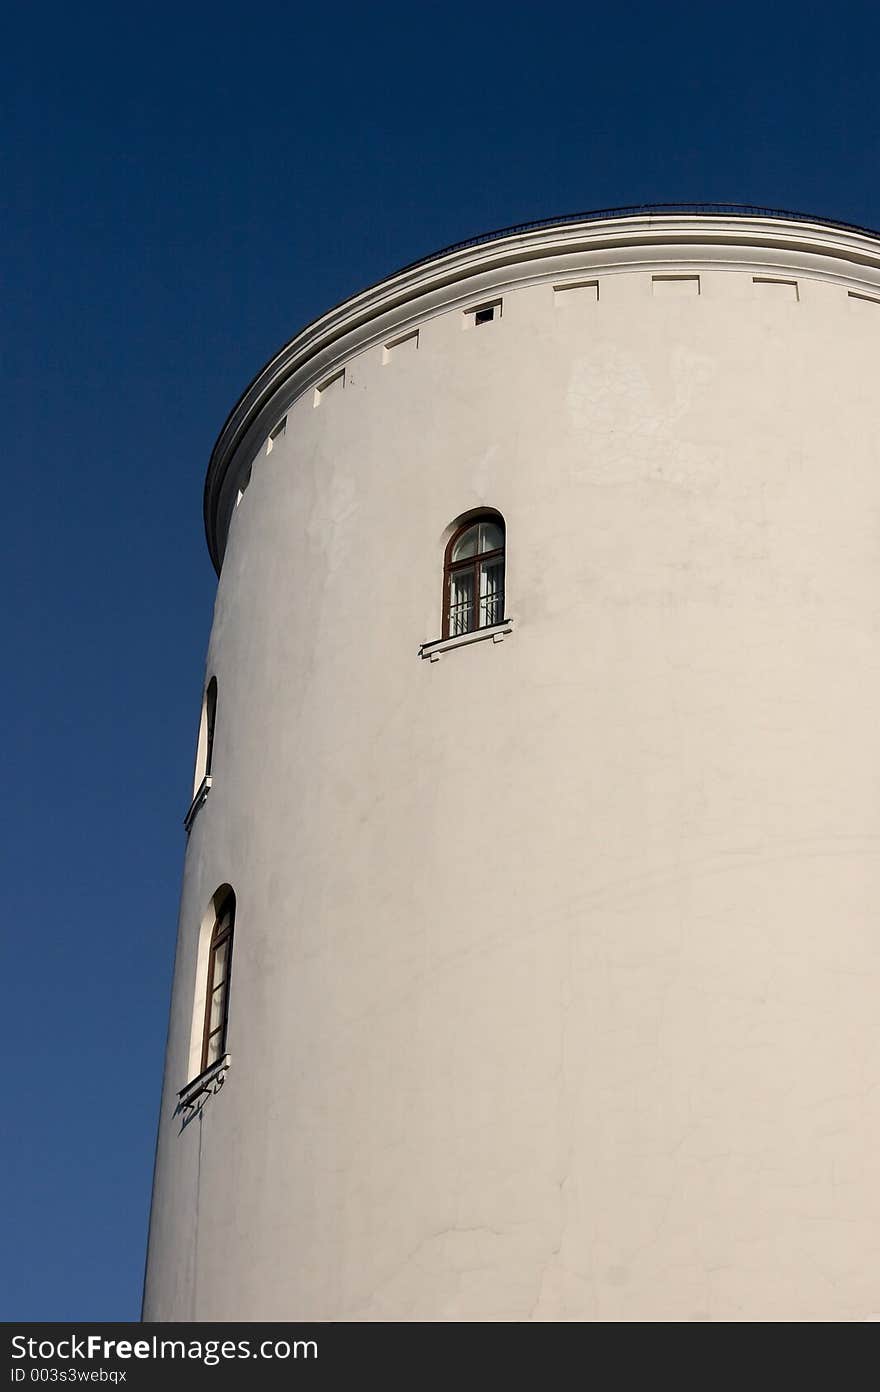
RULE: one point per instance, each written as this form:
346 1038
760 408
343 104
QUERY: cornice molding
509 260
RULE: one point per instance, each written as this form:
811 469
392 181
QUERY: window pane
212 1053
218 1005
466 544
491 592
483 536
461 602
221 953
491 537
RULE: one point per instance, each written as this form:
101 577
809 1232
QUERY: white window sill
497 632
201 795
209 1081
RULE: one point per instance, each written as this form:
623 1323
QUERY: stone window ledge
497 632
210 1080
201 796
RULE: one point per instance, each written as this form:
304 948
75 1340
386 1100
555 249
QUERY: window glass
466 544
483 536
218 973
220 953
491 592
218 1000
461 602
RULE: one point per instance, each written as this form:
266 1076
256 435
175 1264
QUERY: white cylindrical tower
528 960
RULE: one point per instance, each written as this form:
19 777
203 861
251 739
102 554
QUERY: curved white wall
556 971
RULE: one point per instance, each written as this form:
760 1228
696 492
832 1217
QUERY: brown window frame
473 564
222 932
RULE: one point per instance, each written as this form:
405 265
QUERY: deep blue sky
185 187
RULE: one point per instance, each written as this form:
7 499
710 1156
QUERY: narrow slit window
331 384
408 343
245 481
770 287
675 287
276 434
482 314
576 292
473 577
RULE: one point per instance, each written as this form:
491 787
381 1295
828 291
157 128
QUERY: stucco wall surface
556 968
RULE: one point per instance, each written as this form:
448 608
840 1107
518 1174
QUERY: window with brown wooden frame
473 576
219 972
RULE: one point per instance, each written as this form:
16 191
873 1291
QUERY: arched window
219 971
473 576
204 753
210 720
